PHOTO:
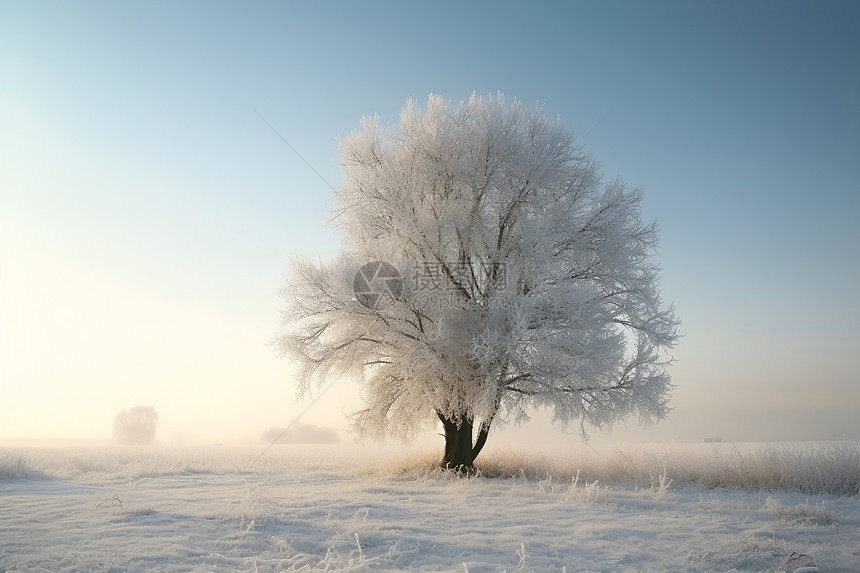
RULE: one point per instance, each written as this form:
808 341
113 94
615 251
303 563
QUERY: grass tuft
15 464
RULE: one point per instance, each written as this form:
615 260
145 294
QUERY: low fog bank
693 426
741 425
300 434
684 425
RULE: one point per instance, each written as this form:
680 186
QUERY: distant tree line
300 434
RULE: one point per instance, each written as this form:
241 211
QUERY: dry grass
16 464
828 467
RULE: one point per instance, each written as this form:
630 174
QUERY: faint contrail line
294 150
314 401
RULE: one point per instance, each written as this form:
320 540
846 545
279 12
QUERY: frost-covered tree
487 269
136 425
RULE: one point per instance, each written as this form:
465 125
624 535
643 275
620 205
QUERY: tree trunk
460 452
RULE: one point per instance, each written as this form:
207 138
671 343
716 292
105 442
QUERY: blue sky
148 215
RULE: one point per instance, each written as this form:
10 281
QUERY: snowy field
695 507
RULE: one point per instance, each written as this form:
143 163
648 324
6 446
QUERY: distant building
712 440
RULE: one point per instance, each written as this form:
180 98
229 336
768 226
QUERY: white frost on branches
550 292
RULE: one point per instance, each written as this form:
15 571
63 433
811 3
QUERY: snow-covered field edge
680 507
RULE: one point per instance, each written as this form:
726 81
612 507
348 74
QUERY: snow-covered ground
333 508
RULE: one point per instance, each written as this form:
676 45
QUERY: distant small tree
487 269
136 425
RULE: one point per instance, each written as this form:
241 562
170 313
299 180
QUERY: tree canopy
486 269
